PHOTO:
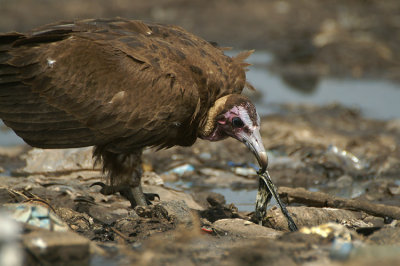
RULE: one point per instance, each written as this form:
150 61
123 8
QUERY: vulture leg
128 193
124 172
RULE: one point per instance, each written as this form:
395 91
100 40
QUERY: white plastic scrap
39 242
36 215
245 171
10 248
347 157
181 170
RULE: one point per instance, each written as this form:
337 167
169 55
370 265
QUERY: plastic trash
340 249
347 157
181 170
342 244
36 215
245 171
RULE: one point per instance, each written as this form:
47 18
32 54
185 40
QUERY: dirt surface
330 149
308 38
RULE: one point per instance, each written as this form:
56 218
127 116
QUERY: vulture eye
237 122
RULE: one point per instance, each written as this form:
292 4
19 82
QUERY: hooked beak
254 143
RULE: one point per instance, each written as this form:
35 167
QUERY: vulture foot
135 195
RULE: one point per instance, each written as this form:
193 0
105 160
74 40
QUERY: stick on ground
319 199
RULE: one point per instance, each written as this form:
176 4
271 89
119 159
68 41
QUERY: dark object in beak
266 189
254 143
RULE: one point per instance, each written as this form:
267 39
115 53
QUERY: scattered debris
204 226
37 215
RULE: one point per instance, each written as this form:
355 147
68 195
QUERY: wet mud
337 171
308 39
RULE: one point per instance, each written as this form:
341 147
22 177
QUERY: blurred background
307 51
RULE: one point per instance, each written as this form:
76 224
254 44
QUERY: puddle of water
374 98
243 199
7 137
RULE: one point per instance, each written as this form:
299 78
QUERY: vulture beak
254 143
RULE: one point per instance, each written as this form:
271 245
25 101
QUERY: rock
56 248
179 211
243 228
215 199
207 198
219 211
151 178
107 214
311 216
169 194
374 221
386 236
57 160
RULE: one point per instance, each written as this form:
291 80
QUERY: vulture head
235 116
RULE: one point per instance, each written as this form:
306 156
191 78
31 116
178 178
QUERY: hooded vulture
122 85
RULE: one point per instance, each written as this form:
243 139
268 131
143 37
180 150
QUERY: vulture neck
207 128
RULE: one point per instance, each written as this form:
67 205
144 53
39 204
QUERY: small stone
239 227
215 199
179 211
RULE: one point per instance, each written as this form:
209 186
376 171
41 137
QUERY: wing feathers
114 82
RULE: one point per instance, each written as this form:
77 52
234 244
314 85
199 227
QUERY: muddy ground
350 164
308 38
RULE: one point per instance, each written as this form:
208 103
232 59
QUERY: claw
126 192
98 184
105 190
152 196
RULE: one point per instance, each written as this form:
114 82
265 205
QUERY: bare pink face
237 122
242 123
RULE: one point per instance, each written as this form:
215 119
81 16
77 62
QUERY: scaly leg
124 172
135 195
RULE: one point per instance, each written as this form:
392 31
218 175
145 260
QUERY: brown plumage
120 85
